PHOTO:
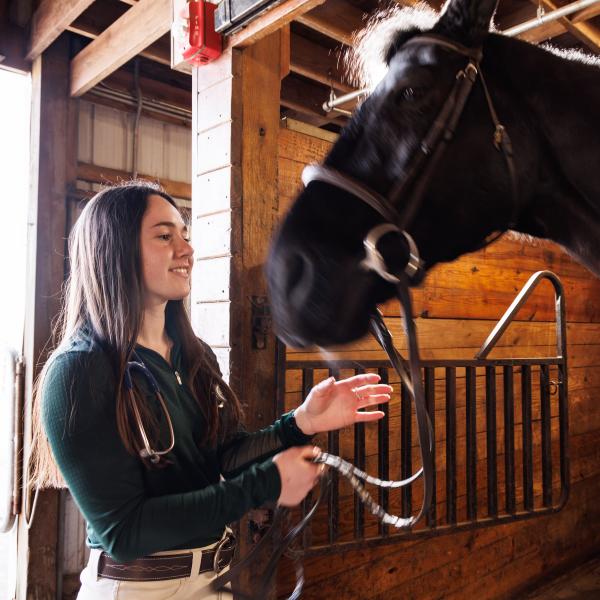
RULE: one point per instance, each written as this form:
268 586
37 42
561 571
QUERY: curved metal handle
519 301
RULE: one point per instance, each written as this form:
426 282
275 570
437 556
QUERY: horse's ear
467 20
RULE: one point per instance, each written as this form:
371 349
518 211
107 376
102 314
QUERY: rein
419 174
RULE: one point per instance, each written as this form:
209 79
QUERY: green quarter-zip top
130 510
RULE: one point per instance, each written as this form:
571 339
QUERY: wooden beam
100 16
317 63
586 33
285 45
104 175
546 31
53 160
12 48
336 19
139 27
307 129
50 19
271 21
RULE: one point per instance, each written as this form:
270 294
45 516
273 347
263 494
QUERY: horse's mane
573 54
366 61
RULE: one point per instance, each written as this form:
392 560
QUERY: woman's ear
467 21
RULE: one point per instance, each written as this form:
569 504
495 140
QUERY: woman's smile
181 271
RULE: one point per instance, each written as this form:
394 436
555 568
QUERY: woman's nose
185 248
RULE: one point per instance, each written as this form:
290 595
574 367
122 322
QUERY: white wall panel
210 321
210 279
106 140
178 146
151 147
212 235
85 131
110 138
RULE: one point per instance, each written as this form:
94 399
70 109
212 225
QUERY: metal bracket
261 321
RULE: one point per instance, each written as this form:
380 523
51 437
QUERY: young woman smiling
134 416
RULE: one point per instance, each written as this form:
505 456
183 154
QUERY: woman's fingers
372 400
373 415
360 380
372 394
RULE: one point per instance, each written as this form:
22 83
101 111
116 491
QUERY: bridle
422 166
419 174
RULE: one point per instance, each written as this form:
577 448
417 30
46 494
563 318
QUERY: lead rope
412 381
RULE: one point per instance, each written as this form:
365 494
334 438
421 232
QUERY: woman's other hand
298 473
335 404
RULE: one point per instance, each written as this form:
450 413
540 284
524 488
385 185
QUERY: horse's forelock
366 62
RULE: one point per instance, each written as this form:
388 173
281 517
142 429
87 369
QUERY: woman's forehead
159 209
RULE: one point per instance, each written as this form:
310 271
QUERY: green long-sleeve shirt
132 511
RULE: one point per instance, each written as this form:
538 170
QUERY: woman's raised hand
335 404
298 473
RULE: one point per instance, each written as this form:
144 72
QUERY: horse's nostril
298 277
295 270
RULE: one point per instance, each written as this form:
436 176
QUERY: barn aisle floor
581 583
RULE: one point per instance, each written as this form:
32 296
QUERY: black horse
450 201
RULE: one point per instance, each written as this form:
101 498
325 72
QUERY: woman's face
167 256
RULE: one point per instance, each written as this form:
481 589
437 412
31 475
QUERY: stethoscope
147 452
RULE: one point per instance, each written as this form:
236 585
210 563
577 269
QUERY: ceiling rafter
586 33
50 19
271 21
317 63
139 27
94 21
336 19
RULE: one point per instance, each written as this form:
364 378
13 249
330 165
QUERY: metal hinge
18 433
261 321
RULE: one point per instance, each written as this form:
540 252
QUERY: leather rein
419 174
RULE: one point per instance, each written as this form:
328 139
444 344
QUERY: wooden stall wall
455 309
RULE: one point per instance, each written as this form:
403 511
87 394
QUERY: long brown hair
104 295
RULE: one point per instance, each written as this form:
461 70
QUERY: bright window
15 100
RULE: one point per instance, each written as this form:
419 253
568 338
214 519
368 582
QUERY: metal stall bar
471 408
451 445
490 418
509 440
359 461
431 516
308 381
546 435
333 447
383 453
406 449
527 437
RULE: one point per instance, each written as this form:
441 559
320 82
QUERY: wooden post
234 210
53 168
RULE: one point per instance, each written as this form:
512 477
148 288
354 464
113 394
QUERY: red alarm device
204 42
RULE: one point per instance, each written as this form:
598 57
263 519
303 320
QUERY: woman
138 421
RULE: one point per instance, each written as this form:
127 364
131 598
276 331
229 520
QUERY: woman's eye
165 236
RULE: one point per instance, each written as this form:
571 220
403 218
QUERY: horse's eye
409 94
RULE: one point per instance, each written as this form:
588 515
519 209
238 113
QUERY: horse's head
320 291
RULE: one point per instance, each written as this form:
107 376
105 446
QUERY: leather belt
170 566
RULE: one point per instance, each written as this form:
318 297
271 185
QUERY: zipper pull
178 377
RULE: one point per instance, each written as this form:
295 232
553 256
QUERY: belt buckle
220 562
